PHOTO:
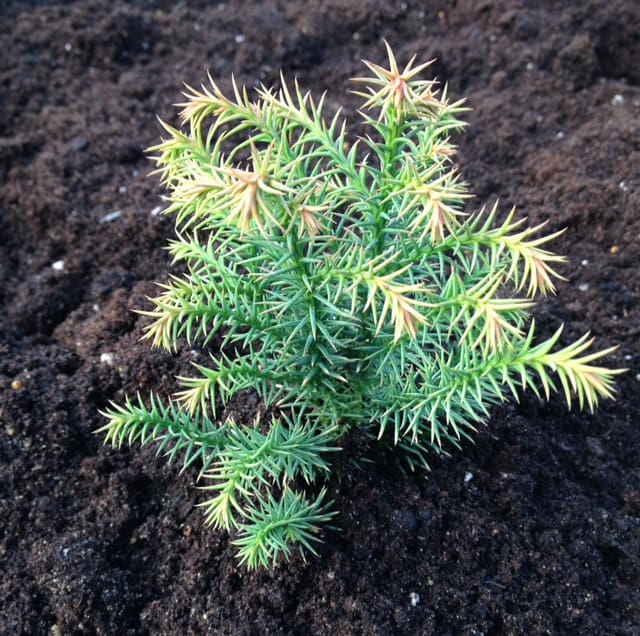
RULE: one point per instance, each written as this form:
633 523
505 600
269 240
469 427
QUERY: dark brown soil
535 529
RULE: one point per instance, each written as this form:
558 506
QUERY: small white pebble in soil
239 38
584 262
583 287
135 173
403 6
468 477
106 358
414 597
197 27
96 307
638 377
628 357
560 134
617 100
331 575
67 46
65 551
122 189
112 216
156 210
58 266
530 66
356 36
623 186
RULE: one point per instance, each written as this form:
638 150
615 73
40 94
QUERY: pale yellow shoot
404 309
220 510
398 90
203 103
166 313
437 217
489 312
196 392
577 375
537 262
310 218
247 189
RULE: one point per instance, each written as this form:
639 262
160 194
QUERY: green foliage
347 288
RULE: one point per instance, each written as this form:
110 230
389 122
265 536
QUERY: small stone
156 210
596 447
614 249
498 80
67 46
414 597
58 266
530 66
409 520
560 134
78 144
468 477
112 216
583 287
17 384
623 186
106 358
122 189
584 262
239 38
617 100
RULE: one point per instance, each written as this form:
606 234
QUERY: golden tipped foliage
345 291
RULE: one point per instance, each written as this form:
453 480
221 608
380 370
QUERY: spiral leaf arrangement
347 288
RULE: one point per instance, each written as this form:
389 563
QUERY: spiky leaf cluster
348 288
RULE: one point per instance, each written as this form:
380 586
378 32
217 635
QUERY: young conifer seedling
348 289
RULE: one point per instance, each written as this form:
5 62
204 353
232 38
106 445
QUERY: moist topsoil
533 529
